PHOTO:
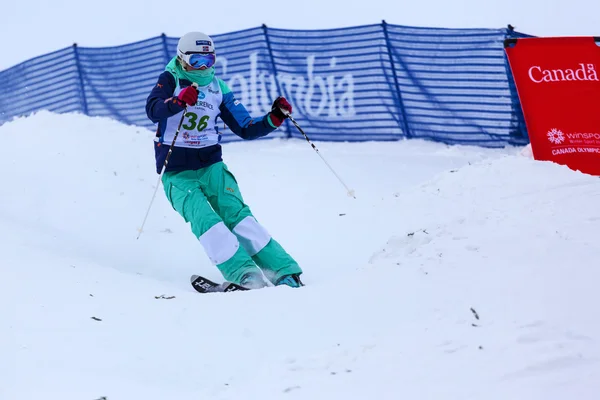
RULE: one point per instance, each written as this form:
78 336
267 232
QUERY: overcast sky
35 27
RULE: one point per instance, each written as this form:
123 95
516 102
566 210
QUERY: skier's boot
290 280
253 280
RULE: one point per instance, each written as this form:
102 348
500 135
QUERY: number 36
194 123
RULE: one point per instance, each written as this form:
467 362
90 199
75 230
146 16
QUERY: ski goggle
199 60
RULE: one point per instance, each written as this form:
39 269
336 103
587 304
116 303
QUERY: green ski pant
210 200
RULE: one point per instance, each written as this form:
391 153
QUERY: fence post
165 48
81 85
519 134
399 93
287 122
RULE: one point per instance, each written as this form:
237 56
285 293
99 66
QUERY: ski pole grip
195 86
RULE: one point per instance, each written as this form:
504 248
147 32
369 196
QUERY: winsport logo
556 136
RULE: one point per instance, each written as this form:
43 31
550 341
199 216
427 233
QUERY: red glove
188 96
280 105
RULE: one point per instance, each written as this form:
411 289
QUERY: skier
197 182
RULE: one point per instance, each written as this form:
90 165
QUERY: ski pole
350 191
195 85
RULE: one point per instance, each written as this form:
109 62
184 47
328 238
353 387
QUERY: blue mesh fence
375 82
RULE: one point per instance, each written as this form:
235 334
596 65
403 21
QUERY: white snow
391 277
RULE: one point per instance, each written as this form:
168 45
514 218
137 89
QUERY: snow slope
457 273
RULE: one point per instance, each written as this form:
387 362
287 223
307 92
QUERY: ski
203 285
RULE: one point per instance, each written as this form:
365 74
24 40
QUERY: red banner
559 88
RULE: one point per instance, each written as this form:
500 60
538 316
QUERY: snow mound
457 273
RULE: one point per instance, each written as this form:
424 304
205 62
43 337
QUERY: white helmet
195 42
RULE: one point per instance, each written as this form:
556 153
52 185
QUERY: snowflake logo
556 136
